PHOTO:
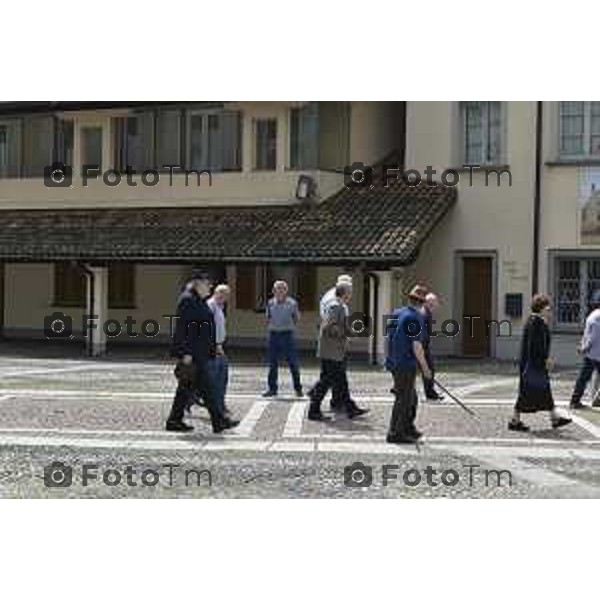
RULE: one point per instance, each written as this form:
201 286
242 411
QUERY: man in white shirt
219 365
329 297
590 348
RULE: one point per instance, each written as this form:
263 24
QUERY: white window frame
582 259
587 134
484 160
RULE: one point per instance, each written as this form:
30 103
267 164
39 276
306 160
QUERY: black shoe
317 415
400 439
560 422
577 405
517 426
356 411
269 394
226 423
336 407
178 426
416 434
596 403
299 393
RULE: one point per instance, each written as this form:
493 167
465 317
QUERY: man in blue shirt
406 331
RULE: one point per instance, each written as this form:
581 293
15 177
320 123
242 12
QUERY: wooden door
477 302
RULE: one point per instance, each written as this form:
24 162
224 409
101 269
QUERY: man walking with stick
404 354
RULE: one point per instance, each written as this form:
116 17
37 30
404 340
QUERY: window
91 146
306 287
38 144
304 137
3 148
168 138
580 129
133 142
265 134
64 142
215 141
576 280
70 285
121 285
482 123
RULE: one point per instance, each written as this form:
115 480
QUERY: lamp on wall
306 188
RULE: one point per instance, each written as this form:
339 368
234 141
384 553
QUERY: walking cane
453 397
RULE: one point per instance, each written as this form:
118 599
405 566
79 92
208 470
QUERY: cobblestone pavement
103 420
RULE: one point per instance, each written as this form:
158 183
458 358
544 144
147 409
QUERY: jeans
219 370
333 375
404 412
195 376
282 344
585 374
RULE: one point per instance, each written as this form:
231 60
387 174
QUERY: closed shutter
121 285
306 286
38 139
168 138
232 141
10 163
245 287
69 285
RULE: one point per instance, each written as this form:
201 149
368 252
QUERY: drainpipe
374 281
537 198
90 303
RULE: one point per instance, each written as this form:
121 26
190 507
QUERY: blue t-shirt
407 325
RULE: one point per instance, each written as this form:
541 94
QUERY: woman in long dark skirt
535 393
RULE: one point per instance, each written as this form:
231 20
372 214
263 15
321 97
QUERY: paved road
103 420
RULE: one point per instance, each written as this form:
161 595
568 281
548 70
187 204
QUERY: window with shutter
306 287
245 287
121 285
168 138
265 138
304 137
38 142
69 285
134 141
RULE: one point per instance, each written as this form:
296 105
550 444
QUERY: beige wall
496 219
371 137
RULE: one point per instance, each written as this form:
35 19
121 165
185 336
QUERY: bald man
432 303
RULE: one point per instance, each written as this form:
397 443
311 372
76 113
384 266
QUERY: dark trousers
404 412
333 376
585 374
219 370
340 396
428 383
283 345
195 376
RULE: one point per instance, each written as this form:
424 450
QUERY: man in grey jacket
332 352
590 348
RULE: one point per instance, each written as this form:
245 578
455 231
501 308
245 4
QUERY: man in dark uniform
194 346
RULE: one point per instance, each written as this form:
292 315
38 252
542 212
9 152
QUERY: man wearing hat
404 354
194 346
590 348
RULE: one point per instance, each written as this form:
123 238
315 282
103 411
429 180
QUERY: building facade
483 260
258 190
